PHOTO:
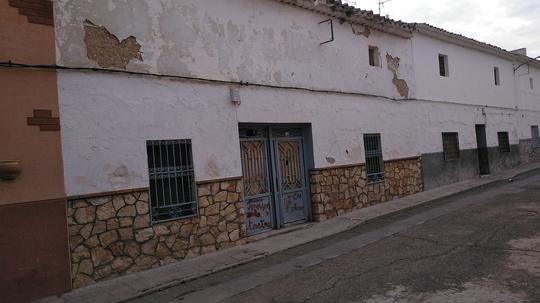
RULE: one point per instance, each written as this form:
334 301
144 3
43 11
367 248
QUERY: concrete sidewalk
139 284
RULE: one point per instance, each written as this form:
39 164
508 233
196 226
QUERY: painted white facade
107 118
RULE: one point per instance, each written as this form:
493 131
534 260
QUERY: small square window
496 75
374 56
374 158
172 183
443 66
450 146
504 143
531 83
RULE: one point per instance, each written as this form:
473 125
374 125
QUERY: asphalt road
482 246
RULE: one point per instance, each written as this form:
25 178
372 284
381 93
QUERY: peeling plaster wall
108 117
240 40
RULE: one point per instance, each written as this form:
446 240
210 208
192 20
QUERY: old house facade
187 126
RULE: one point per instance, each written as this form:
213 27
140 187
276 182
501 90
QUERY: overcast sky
509 24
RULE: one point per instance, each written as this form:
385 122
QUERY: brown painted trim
36 11
314 170
107 193
44 119
35 202
202 182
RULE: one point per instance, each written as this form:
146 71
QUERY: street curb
262 255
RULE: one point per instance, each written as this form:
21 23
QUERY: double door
273 168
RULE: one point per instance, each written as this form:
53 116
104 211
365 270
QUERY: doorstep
139 284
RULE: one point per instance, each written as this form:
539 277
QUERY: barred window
374 158
172 182
450 146
504 143
534 132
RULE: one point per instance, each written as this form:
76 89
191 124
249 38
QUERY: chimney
520 51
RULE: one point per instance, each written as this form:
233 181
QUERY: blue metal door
291 186
258 194
275 190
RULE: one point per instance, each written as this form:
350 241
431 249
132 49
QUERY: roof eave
352 15
473 44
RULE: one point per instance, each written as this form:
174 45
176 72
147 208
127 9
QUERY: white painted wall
528 98
471 79
107 118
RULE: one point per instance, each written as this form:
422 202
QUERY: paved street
482 246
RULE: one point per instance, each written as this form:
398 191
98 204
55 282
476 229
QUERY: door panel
257 191
291 189
481 141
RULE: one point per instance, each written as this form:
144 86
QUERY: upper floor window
172 182
374 158
373 56
450 146
496 76
504 143
443 66
531 83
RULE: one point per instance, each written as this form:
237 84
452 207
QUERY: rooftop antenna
381 4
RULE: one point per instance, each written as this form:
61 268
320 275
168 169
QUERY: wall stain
107 50
365 31
400 84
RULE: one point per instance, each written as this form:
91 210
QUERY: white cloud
507 24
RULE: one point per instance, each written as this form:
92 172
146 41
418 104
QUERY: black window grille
450 146
504 143
374 158
534 132
172 181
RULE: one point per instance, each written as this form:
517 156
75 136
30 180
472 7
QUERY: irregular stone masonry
112 235
528 151
336 191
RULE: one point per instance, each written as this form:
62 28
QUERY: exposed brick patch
400 84
107 50
336 191
44 119
36 11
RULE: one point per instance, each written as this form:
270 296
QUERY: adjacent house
188 126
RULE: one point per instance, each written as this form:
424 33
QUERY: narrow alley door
481 141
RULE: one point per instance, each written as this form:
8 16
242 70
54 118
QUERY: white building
265 113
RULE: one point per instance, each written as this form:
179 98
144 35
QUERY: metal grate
172 181
374 158
504 143
450 146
